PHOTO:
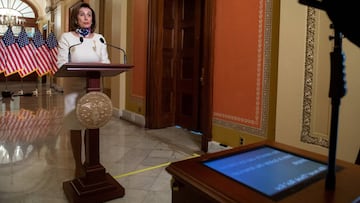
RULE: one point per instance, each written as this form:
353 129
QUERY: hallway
36 155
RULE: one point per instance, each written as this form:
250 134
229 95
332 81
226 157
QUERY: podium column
96 185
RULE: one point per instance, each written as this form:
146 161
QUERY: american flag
13 60
26 53
42 54
52 43
2 56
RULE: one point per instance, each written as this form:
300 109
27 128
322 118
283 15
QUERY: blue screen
267 170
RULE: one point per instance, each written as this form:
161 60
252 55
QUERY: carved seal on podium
94 110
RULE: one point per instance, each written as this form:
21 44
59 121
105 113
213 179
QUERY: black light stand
336 92
340 13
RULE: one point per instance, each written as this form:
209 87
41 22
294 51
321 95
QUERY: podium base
77 192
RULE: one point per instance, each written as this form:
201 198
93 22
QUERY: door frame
153 87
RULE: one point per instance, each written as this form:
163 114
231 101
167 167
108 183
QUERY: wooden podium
96 185
193 182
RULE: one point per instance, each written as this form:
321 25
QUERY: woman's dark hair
74 14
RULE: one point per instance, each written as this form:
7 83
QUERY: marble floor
36 154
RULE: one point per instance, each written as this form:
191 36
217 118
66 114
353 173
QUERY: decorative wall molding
306 132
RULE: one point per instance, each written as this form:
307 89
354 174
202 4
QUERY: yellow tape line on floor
149 168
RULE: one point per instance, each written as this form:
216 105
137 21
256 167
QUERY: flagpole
48 84
21 91
6 93
35 92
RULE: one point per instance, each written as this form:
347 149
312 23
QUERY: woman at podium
80 44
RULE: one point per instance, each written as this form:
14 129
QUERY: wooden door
175 63
179 69
187 66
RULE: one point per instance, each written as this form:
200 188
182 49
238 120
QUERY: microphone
69 54
103 41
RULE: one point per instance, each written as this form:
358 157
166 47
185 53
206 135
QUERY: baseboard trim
132 117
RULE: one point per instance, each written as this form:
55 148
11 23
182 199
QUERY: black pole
336 92
6 93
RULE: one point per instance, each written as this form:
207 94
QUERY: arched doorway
17 13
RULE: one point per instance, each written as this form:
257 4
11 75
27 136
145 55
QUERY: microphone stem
110 45
122 50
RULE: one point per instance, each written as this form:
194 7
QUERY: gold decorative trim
306 135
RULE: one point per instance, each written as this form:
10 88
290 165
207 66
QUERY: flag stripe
26 52
2 56
12 60
52 45
42 54
43 60
30 66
